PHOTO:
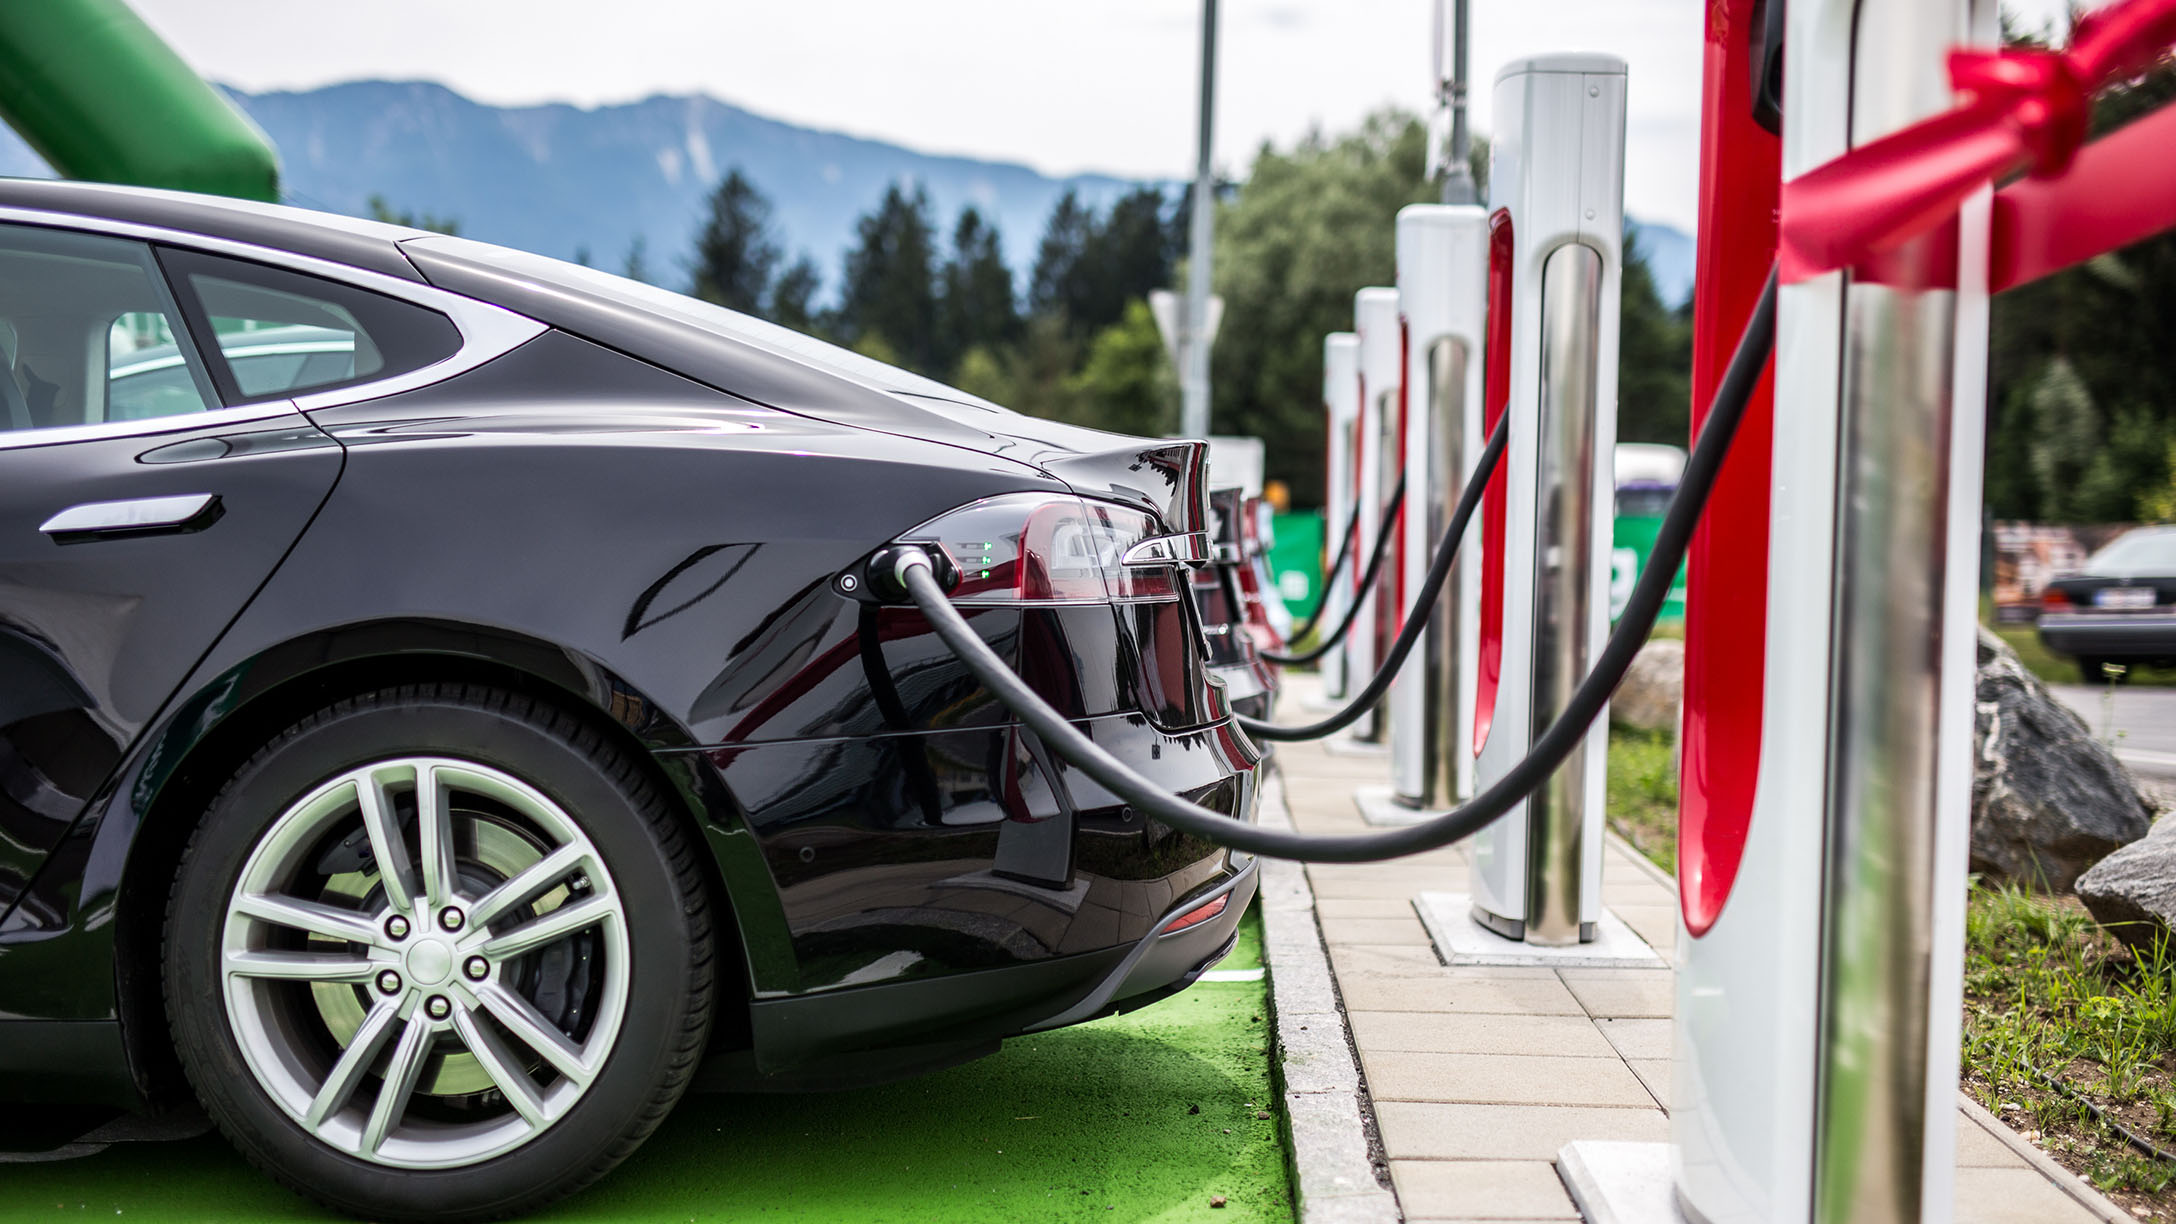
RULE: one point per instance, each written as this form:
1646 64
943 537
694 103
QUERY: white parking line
1232 975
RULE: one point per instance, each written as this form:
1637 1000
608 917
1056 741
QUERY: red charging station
1832 594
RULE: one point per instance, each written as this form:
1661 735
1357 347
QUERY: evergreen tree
735 254
977 305
2081 377
1654 363
1054 287
890 283
1128 252
1088 267
793 295
636 266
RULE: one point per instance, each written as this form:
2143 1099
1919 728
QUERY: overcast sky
1063 86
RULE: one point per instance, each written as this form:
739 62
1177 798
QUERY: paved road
2142 722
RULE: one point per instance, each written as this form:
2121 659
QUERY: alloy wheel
425 962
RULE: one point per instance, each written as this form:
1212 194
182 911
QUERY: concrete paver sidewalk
1478 1076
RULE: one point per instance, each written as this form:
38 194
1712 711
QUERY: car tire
2095 672
479 1030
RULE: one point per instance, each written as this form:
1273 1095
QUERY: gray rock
1652 689
2048 800
2133 891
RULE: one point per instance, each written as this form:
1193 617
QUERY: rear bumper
1023 906
1168 960
2148 636
844 1038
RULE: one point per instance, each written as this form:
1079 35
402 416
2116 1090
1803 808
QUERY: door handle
135 516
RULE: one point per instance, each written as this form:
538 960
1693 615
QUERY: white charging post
1443 298
1379 449
1556 217
1341 414
1819 990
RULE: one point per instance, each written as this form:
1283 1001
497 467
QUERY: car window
278 333
264 373
2136 554
732 324
75 305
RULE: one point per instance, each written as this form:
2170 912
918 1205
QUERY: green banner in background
1634 543
1296 558
1297 561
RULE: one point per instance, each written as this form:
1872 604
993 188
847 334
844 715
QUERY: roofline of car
487 331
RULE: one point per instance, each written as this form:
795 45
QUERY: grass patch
2048 993
1643 793
1141 1117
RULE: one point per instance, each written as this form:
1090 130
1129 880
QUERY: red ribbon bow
2022 109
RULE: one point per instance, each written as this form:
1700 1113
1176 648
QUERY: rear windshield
2136 554
695 312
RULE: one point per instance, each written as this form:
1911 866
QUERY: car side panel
96 635
690 556
908 856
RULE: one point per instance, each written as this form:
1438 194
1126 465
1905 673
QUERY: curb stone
2079 1190
1325 1105
2065 1180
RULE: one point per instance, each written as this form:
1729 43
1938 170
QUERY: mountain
559 179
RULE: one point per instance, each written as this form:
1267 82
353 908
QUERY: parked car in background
444 713
1229 619
2119 609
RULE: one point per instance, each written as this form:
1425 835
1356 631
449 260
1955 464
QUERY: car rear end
2120 611
1231 621
1004 891
916 875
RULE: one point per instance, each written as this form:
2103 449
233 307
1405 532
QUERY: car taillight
2053 600
1199 914
1037 548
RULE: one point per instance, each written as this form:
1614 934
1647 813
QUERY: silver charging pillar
1379 448
1556 216
1818 998
1443 301
1340 410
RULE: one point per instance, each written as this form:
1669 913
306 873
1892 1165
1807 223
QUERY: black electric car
434 752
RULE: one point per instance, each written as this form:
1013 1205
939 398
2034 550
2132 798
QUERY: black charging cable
910 570
1416 622
1367 583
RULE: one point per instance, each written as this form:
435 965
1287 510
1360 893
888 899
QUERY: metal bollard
1443 300
1556 201
1340 410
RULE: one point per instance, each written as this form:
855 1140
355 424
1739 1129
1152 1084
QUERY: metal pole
1194 376
1458 185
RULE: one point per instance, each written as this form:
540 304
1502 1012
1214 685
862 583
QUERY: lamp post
1197 335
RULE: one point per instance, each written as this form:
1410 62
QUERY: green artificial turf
1087 1123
